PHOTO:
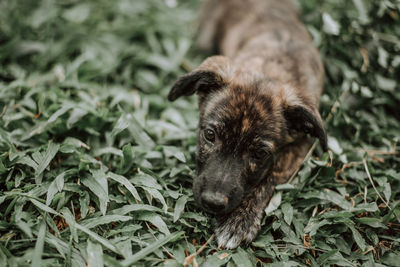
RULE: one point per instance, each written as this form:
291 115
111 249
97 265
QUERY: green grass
96 165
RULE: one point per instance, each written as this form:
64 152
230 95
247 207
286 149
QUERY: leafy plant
96 166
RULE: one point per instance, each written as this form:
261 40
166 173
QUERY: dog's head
245 120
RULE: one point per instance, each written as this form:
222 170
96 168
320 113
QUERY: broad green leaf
127 160
110 261
65 107
149 249
326 256
98 185
138 133
387 191
217 259
37 255
358 238
78 13
334 145
156 220
330 196
43 159
106 219
287 210
156 194
74 142
3 256
76 115
362 11
369 207
121 124
241 258
330 25
179 207
382 56
60 181
2 198
84 200
391 258
174 116
284 264
55 186
3 169
71 221
125 182
372 236
135 207
98 238
63 248
126 229
107 150
314 224
285 187
146 180
24 227
274 203
373 222
43 207
170 151
28 161
95 254
385 84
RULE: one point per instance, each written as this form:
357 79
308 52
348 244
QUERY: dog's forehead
243 113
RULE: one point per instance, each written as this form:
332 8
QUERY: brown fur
263 94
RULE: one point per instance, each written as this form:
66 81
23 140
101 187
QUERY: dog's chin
217 214
224 213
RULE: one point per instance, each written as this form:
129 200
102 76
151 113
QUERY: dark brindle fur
257 104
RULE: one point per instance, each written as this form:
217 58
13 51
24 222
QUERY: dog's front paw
238 227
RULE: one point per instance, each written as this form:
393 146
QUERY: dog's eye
261 154
209 135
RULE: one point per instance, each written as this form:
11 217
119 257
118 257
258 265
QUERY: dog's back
264 36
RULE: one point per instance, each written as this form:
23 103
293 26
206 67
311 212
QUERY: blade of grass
151 248
37 254
125 182
46 158
95 255
70 220
373 184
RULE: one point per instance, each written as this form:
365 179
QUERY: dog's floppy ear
305 119
214 73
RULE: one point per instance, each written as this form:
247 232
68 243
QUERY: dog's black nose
214 202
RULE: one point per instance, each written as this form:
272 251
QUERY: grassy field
96 165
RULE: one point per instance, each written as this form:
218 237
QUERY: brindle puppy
257 104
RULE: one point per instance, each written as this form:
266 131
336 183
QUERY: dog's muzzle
214 202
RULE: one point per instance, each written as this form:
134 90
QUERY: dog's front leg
244 222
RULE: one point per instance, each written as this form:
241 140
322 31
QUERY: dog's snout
214 202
